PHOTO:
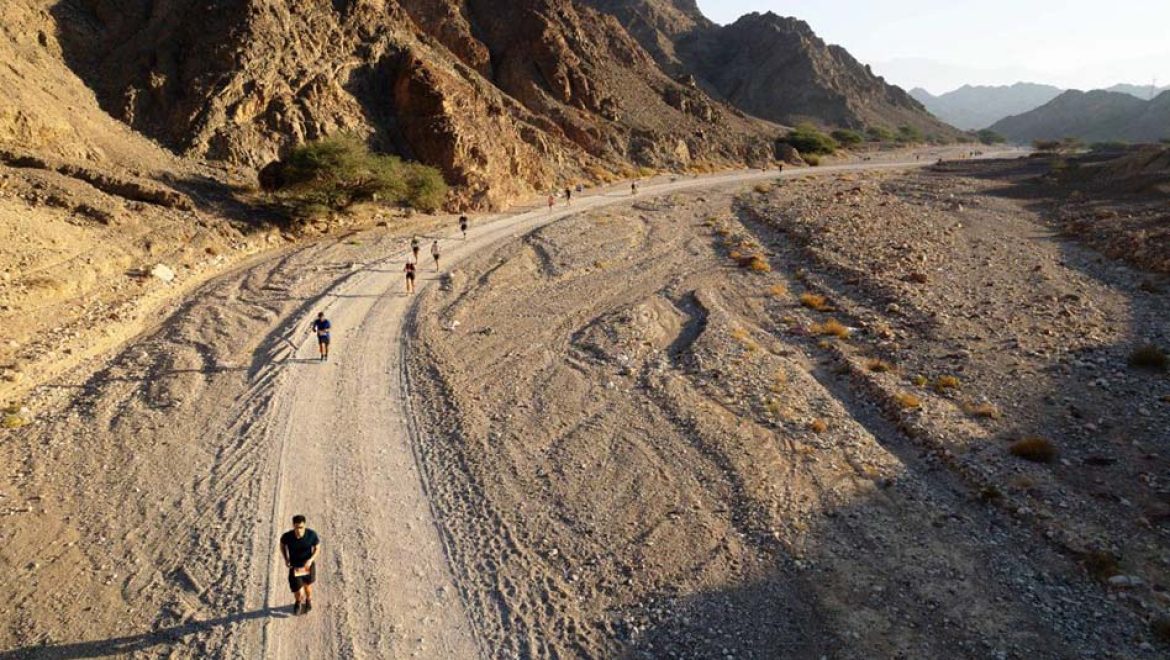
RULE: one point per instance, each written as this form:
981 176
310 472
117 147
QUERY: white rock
163 272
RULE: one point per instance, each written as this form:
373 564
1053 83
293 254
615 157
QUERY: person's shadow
122 646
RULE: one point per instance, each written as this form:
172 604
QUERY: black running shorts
295 582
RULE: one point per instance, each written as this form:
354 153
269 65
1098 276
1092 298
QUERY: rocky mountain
976 107
1096 116
504 97
769 66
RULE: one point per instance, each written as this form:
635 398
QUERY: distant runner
299 547
321 326
463 226
551 200
435 254
568 196
409 270
414 244
633 187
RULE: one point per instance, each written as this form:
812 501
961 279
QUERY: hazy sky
942 45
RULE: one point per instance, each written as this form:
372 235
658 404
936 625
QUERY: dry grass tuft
981 410
946 383
777 291
818 426
723 231
1101 564
879 366
745 339
815 302
832 327
1149 357
758 264
907 400
1034 448
763 188
919 380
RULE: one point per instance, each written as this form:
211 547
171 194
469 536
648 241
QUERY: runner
463 226
299 547
551 200
409 270
321 326
414 247
435 254
633 187
568 196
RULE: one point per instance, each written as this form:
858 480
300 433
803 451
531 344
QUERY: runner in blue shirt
321 326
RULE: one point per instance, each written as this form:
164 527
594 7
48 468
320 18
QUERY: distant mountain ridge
1097 116
974 107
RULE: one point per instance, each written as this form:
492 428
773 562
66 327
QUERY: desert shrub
763 188
1160 627
1149 357
946 383
919 380
989 137
879 366
880 134
1034 448
832 327
777 290
334 173
818 426
812 160
847 138
981 410
1046 146
907 400
807 139
815 302
1101 564
758 264
909 135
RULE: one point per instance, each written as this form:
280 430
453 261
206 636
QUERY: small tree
990 137
880 134
806 139
847 138
909 135
337 172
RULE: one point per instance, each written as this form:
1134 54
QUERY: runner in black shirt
463 226
299 547
321 326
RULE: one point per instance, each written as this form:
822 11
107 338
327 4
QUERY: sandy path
220 433
346 462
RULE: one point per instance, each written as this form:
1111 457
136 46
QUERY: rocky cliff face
504 97
771 67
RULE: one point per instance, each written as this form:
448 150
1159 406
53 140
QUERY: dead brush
777 291
833 328
944 383
907 401
744 338
818 426
1034 448
981 410
879 366
815 302
758 264
1149 357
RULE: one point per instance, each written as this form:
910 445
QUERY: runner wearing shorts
321 326
435 254
299 546
463 226
409 270
414 247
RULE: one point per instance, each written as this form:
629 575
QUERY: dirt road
142 510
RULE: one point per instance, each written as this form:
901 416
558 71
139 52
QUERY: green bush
336 172
848 138
880 134
990 137
812 159
808 140
909 135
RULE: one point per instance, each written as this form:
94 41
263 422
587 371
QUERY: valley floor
754 416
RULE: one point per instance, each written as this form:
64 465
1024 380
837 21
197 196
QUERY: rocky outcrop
771 67
504 97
